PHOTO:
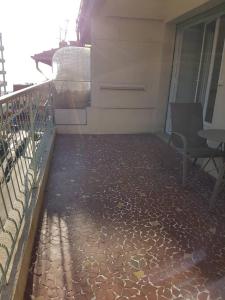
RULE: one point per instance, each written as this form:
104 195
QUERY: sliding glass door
205 62
214 75
189 62
197 63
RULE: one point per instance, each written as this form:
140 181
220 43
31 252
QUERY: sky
32 26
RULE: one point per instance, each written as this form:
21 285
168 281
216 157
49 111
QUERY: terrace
92 204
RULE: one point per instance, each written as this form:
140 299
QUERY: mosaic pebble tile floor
117 224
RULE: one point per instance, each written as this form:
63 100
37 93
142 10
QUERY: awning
45 57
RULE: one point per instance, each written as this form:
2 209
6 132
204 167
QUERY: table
214 135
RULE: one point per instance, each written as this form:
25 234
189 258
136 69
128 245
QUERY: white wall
127 53
179 9
132 44
145 9
111 121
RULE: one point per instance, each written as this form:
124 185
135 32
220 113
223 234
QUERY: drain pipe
39 70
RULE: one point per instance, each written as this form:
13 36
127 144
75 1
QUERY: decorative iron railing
26 124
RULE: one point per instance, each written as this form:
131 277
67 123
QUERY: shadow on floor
117 224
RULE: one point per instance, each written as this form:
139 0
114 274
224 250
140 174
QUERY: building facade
146 54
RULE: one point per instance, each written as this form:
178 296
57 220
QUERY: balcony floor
117 224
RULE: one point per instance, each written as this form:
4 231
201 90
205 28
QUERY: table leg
217 185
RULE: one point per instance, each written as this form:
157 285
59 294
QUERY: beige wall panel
111 28
126 52
70 116
153 9
141 30
122 99
178 7
110 121
123 63
104 28
188 8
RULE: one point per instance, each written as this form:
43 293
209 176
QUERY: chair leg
205 164
185 162
217 186
195 161
215 164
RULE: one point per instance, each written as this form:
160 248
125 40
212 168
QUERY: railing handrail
6 98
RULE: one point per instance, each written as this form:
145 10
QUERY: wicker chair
186 121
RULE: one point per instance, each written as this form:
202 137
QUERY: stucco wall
111 121
127 53
146 9
154 9
133 42
176 8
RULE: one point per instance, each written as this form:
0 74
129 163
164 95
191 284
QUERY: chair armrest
181 137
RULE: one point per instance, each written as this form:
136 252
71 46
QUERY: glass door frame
212 61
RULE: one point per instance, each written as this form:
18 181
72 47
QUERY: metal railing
26 124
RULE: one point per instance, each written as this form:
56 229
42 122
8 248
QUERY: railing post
32 134
52 95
